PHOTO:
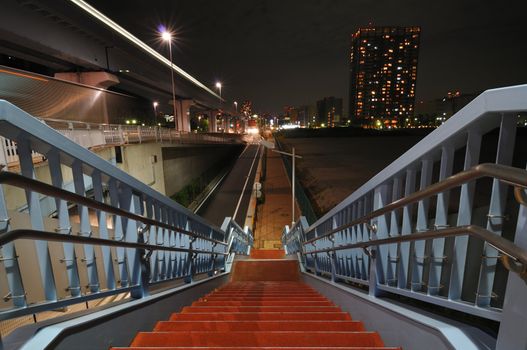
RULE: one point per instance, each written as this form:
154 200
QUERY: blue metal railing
126 239
455 272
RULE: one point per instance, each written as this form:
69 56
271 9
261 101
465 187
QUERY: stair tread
259 325
265 338
258 347
260 315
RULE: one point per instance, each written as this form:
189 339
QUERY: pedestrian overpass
430 252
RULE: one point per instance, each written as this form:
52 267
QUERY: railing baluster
466 198
419 259
102 220
85 228
10 257
437 259
403 277
514 322
393 254
64 225
37 223
496 214
382 195
124 278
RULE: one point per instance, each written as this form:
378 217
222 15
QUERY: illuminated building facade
329 112
383 74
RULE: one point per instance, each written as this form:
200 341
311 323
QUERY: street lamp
236 106
218 85
167 36
155 104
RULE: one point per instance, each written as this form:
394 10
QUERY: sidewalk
275 212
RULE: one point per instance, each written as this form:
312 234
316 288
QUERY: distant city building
247 108
383 73
437 111
329 112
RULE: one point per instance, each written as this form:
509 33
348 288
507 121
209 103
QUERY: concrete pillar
183 114
101 80
212 120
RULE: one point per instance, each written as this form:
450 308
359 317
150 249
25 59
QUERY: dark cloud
292 52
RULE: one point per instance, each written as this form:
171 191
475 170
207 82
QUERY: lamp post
167 36
236 106
293 157
218 86
155 104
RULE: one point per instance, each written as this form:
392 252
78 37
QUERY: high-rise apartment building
383 74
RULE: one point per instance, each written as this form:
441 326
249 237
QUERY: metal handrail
59 237
46 189
513 176
508 249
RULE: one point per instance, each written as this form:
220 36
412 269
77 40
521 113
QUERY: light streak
123 32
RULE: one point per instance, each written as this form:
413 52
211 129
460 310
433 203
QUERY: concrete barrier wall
183 163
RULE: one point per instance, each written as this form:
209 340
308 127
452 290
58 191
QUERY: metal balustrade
122 236
429 227
91 135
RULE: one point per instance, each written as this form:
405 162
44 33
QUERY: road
231 197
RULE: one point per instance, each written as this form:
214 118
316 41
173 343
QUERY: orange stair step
261 298
288 303
252 316
290 325
195 309
258 348
265 339
267 254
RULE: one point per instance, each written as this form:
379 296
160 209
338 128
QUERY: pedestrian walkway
275 212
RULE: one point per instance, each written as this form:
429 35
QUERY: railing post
380 230
496 215
121 135
3 154
70 259
130 202
103 231
437 257
37 223
10 259
513 326
459 254
120 261
85 228
419 259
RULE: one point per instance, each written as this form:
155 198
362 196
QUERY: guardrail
91 135
127 238
406 231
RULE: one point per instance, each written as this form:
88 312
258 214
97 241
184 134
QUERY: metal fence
431 227
123 236
90 135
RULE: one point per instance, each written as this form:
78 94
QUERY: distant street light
218 86
167 36
155 104
236 106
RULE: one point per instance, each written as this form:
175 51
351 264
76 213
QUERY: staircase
264 306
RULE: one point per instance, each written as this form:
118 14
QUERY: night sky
293 52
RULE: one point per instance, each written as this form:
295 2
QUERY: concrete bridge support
101 80
183 114
212 120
